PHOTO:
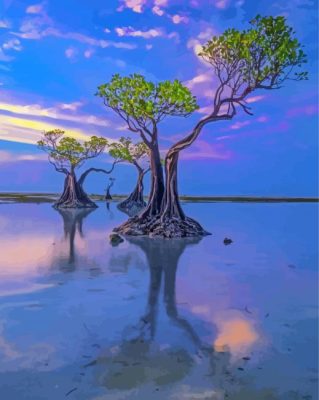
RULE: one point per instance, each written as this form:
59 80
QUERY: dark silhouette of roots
172 227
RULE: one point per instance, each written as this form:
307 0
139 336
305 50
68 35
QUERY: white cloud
13 44
198 79
70 106
129 31
149 34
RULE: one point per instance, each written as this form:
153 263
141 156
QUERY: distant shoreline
15 197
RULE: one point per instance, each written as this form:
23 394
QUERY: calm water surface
156 319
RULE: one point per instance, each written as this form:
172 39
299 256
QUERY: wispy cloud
254 99
199 79
4 57
4 24
309 110
34 34
22 130
6 157
148 34
201 149
239 125
40 25
129 31
36 110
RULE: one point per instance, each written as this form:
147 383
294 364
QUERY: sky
54 54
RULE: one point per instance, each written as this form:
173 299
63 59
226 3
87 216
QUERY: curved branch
62 170
86 173
188 140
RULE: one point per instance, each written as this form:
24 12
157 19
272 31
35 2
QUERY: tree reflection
138 358
72 227
163 257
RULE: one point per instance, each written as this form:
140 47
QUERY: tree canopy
128 151
142 103
261 57
67 153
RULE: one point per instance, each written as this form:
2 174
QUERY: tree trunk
140 224
135 201
171 207
73 195
173 222
153 207
108 191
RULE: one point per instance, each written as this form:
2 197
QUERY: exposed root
161 227
75 203
131 207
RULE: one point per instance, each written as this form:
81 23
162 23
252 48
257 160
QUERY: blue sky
54 54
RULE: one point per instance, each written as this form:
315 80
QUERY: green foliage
143 101
126 150
68 153
263 56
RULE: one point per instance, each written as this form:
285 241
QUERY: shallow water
156 319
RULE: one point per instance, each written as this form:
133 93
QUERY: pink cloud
239 125
178 19
254 99
35 9
204 150
88 53
158 11
263 118
70 53
308 110
221 4
134 5
158 7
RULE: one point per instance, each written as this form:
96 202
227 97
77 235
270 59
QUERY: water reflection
138 358
163 258
65 252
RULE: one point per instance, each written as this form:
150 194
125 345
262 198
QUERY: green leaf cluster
128 151
135 97
262 56
67 152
